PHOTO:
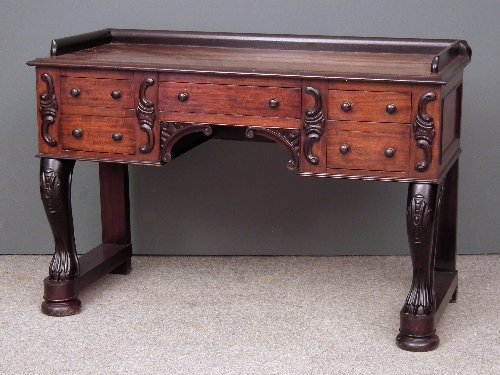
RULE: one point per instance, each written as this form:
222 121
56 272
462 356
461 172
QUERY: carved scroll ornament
423 129
171 132
145 113
287 138
48 109
314 125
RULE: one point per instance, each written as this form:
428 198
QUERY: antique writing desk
356 108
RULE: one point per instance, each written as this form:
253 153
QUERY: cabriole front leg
55 189
417 330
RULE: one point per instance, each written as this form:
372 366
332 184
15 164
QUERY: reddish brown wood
97 134
115 206
369 106
357 108
220 119
330 57
97 92
230 99
368 150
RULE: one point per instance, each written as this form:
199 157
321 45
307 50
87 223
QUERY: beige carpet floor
246 315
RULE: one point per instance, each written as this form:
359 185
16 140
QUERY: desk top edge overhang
438 59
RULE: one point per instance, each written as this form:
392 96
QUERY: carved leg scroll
417 332
55 190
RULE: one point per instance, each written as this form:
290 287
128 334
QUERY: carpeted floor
246 315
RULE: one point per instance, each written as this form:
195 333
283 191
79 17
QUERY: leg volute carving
55 190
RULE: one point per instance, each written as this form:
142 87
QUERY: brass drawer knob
75 93
273 103
116 94
389 153
183 96
391 108
346 107
344 149
117 137
77 133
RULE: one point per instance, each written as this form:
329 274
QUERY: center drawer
282 102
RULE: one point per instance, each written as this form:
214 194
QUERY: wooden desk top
385 59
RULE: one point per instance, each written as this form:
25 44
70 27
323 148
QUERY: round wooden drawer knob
77 133
344 149
273 103
391 108
183 96
346 107
116 94
389 153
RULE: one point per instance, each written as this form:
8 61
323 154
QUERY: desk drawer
369 106
98 134
362 150
97 92
282 102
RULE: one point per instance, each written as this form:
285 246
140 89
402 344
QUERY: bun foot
64 308
416 343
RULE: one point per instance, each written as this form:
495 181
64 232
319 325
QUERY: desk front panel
366 130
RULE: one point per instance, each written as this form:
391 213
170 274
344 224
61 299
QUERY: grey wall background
238 198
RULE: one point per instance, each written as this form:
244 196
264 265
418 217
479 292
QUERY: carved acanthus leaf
423 129
314 125
50 187
145 113
48 109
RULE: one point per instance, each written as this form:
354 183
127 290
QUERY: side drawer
362 150
282 102
369 106
97 92
98 134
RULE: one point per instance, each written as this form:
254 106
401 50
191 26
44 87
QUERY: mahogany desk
356 108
